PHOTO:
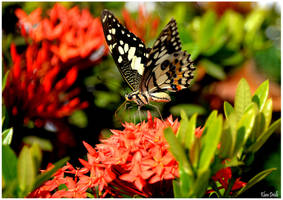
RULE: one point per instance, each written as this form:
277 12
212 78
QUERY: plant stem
215 188
231 183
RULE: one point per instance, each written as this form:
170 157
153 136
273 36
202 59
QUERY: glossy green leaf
7 136
211 140
213 69
47 175
26 171
226 143
264 136
261 95
177 150
255 180
183 129
185 182
267 112
210 119
36 155
244 128
44 144
189 109
228 109
191 132
242 98
9 164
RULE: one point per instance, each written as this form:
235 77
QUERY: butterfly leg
157 108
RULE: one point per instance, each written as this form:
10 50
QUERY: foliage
231 141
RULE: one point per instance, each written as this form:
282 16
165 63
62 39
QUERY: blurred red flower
74 35
145 26
36 88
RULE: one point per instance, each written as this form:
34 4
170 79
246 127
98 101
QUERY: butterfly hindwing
128 51
168 68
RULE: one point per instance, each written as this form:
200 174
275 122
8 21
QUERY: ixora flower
132 162
145 27
34 89
74 35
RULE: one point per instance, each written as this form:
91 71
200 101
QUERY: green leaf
9 164
210 119
185 182
7 136
182 131
264 136
244 128
4 80
47 175
36 155
177 189
189 109
242 98
201 184
44 144
226 143
267 112
255 180
261 95
79 119
233 60
190 134
26 171
211 140
213 69
228 109
177 150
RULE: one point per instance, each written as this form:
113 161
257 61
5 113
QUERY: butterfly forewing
128 51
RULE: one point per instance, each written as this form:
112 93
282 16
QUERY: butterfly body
150 72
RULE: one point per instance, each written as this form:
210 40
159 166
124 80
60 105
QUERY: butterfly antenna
157 108
119 108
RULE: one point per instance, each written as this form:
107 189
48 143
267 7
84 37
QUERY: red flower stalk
74 36
34 90
145 27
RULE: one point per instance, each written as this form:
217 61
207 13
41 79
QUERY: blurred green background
227 41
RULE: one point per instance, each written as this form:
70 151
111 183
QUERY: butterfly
150 72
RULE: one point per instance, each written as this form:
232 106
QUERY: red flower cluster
74 35
223 176
145 27
135 161
34 89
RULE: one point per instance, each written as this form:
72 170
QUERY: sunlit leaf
261 95
177 150
228 109
4 80
7 136
26 171
211 140
242 98
267 112
36 154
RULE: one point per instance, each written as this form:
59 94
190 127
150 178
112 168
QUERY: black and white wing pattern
168 68
128 51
